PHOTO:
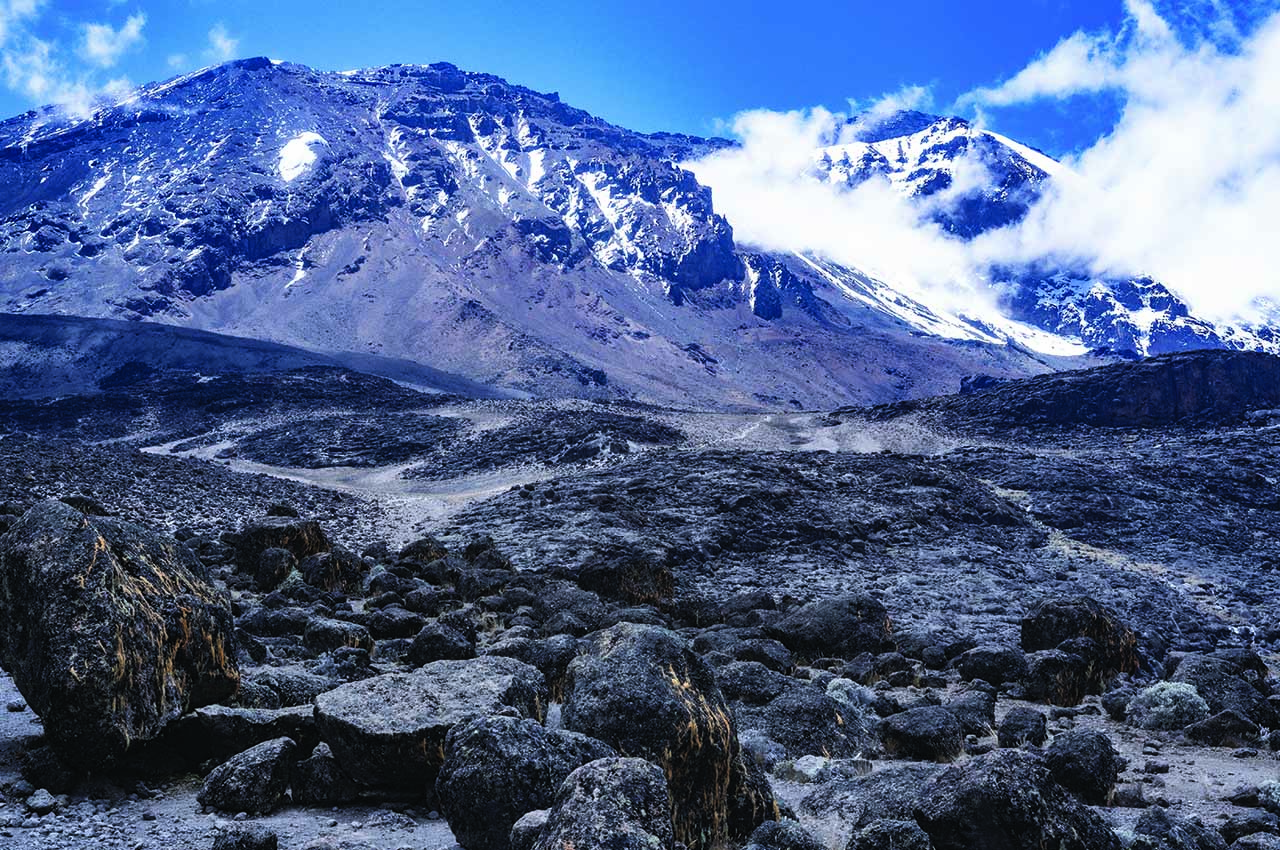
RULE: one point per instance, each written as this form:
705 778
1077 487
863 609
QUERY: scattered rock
643 690
841 626
1023 726
1086 763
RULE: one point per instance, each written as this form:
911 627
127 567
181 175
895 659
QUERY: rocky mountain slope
455 220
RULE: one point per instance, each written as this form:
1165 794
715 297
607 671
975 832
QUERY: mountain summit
457 220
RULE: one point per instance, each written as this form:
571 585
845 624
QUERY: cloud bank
1185 187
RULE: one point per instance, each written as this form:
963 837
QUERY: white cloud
1186 186
177 61
103 45
222 46
769 190
13 14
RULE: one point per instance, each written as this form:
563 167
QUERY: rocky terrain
301 606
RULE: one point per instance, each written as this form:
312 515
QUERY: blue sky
650 65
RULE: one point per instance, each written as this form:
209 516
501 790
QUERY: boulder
1057 677
930 733
246 836
390 730
324 635
219 732
1023 727
302 537
1058 619
274 565
253 781
439 642
1165 830
994 664
338 570
1007 800
805 720
319 780
643 690
498 768
610 804
1086 763
976 711
841 626
890 835
631 577
782 835
1224 729
110 630
889 793
1222 684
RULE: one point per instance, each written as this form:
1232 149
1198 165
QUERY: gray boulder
389 730
110 630
643 690
1007 800
610 804
253 781
498 768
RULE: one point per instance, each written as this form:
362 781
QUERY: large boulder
929 733
610 804
1007 800
643 690
841 626
253 781
301 537
1058 619
390 730
496 769
110 630
1086 763
1223 684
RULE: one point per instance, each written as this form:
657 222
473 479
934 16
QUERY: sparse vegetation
1168 705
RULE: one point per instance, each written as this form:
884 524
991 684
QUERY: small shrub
1168 706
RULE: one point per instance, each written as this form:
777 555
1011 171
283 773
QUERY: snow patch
298 155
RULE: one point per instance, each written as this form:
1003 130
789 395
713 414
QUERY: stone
318 780
1086 763
1058 619
610 804
842 626
643 690
110 630
1023 726
890 835
438 642
301 537
976 711
1221 683
994 664
253 781
252 836
498 768
930 733
1007 799
782 835
390 730
1224 729
274 565
324 635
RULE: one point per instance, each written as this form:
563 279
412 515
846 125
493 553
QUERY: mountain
494 233
973 181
